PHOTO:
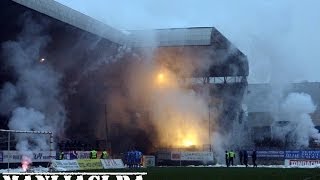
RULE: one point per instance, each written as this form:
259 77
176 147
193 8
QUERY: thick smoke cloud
180 115
280 38
33 102
267 35
295 110
277 36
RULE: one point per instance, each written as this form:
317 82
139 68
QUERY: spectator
254 158
245 158
241 157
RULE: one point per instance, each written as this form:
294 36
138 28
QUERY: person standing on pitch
241 157
254 158
232 156
227 158
245 158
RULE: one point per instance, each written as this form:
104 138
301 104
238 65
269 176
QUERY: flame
25 163
160 77
188 143
164 79
178 114
183 136
42 60
190 139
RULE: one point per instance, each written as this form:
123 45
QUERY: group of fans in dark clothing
133 159
243 157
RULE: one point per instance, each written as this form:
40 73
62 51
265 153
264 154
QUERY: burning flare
25 163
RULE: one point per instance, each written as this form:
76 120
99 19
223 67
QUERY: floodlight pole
31 132
8 150
209 128
51 150
180 155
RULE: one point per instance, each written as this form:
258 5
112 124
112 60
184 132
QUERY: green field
217 173
214 173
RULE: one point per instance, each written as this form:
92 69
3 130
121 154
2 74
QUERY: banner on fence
308 154
163 156
86 164
289 154
65 165
270 154
192 156
112 163
16 156
300 162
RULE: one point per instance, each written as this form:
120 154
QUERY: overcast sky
280 37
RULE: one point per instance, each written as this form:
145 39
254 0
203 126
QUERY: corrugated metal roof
65 14
172 37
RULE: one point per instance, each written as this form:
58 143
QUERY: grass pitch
217 173
214 173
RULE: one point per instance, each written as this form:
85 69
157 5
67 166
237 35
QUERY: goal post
12 139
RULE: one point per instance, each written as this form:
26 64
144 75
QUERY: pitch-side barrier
87 164
301 163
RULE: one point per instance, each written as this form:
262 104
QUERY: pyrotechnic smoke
299 129
220 144
280 38
180 115
34 100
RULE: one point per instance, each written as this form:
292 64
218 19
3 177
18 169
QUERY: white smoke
280 38
181 117
299 128
34 100
275 35
220 144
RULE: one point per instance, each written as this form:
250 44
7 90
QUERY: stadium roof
172 37
65 14
194 36
199 43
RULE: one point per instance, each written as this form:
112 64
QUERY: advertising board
301 162
288 154
148 161
192 156
87 164
16 156
112 163
65 165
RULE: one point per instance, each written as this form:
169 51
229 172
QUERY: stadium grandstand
79 41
